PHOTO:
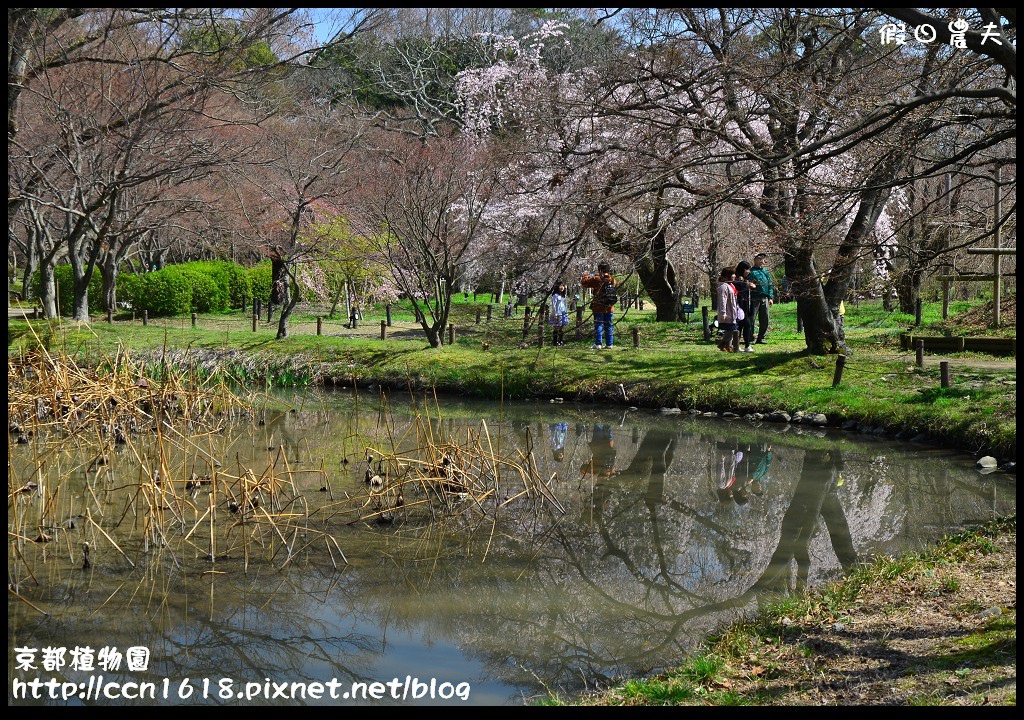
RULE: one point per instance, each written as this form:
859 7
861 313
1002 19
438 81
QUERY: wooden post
919 347
257 307
451 333
540 334
145 317
526 322
479 313
917 311
579 322
996 252
944 373
319 325
704 318
636 337
270 311
945 297
383 329
255 317
387 313
840 364
193 319
490 310
997 283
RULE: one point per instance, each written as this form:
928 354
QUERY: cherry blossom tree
797 117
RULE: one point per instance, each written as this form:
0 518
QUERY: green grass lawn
672 365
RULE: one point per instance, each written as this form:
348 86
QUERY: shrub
128 288
207 295
164 292
234 280
261 276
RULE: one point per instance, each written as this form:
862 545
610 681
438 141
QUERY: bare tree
104 101
424 206
292 199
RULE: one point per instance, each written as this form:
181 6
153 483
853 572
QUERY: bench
993 345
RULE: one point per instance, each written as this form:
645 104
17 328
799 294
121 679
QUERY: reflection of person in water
728 481
602 451
759 458
558 432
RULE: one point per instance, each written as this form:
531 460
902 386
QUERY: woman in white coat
728 308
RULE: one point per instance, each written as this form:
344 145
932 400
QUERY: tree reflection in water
647 561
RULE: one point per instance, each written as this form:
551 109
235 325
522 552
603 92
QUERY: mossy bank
881 390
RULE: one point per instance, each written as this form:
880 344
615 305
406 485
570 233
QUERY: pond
256 565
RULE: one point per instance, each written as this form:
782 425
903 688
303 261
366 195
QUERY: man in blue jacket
762 297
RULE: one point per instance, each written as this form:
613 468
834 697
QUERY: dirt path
1008 365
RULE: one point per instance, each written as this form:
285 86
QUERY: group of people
744 293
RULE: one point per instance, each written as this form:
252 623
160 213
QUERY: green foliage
63 276
207 295
233 280
227 41
163 292
128 288
261 280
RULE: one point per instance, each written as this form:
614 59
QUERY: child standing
559 314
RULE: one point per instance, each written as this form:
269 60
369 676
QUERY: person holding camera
603 304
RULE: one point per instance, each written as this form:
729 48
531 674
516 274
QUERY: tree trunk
108 271
434 326
822 331
291 299
48 291
281 291
908 290
660 285
81 295
336 300
31 264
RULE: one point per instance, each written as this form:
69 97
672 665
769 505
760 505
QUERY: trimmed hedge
234 279
213 286
163 292
202 286
207 295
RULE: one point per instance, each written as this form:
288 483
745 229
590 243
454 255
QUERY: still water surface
660 529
